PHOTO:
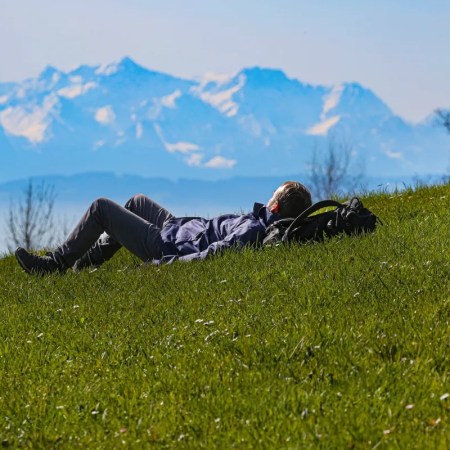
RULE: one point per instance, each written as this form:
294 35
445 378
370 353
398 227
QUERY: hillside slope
337 345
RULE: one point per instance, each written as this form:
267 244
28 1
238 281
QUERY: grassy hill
344 344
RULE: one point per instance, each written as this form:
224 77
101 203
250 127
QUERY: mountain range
123 118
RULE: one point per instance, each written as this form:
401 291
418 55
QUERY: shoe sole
21 263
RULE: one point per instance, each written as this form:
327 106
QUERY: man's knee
100 203
134 201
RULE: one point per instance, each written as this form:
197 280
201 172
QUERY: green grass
344 344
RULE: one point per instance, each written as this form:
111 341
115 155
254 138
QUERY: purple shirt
189 238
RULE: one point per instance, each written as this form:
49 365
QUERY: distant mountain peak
126 61
126 65
263 75
356 89
354 92
48 72
83 71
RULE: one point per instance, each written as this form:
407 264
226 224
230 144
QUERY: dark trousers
136 226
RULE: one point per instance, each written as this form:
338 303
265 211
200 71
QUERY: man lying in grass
154 235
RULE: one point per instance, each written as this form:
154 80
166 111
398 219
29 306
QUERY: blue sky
400 49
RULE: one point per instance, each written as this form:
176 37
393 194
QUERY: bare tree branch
443 118
331 173
30 221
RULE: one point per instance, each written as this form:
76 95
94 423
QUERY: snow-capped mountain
124 118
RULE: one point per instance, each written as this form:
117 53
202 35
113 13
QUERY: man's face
273 199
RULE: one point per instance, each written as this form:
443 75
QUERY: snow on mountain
323 127
76 89
218 91
31 122
123 117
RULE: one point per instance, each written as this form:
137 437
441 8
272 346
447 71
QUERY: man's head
290 199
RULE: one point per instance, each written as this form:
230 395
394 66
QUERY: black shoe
37 265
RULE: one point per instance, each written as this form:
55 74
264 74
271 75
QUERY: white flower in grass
444 396
410 406
207 338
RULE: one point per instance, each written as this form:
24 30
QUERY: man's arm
241 236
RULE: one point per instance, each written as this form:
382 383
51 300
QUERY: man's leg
106 246
126 228
136 234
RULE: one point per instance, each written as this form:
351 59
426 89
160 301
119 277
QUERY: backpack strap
307 212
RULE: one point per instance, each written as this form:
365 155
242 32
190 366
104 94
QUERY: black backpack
350 217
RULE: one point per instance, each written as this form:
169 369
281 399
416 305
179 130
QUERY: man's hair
293 199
